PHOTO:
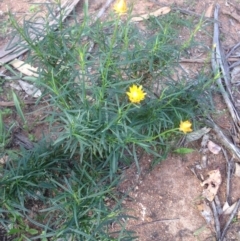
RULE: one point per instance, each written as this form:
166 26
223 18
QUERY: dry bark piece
30 89
228 209
205 140
237 169
24 68
214 148
212 184
22 140
206 212
196 135
161 11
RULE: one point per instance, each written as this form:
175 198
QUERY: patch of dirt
165 200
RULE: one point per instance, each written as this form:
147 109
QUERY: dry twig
229 168
156 221
216 219
11 103
218 205
219 66
219 63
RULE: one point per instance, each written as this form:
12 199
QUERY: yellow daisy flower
185 126
120 7
136 94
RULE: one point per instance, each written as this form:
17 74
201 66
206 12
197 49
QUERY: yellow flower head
185 126
136 94
120 6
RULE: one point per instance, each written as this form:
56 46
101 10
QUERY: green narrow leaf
184 150
1 128
18 107
32 231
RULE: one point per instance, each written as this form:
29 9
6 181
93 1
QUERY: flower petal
185 126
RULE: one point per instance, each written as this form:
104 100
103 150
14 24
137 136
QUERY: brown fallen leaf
209 12
161 11
214 148
212 184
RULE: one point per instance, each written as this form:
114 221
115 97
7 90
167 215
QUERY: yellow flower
185 126
120 6
136 94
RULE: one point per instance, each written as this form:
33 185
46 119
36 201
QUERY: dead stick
156 221
218 205
229 220
228 168
11 103
217 223
232 50
100 13
217 63
229 172
234 65
203 61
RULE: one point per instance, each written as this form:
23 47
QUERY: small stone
3 160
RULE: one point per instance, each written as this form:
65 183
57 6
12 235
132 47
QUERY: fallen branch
218 63
206 60
218 205
234 65
99 15
229 168
11 103
23 141
232 50
216 219
103 9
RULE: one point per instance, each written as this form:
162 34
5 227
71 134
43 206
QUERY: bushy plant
100 82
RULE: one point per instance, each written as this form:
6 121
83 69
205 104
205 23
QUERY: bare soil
165 199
